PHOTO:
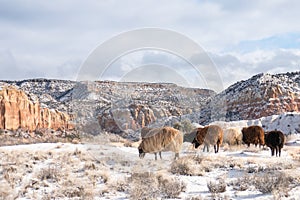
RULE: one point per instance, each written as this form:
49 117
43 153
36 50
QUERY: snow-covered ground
106 170
288 123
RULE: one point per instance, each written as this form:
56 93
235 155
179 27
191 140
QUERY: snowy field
105 169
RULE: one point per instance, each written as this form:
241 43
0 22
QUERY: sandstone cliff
18 112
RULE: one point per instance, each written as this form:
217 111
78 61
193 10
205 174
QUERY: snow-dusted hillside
113 106
124 108
260 96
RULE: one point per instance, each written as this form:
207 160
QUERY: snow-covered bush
217 186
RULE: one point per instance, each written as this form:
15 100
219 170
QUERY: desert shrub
268 183
89 166
143 186
49 173
182 167
255 169
151 186
188 165
241 184
11 175
274 182
120 186
73 188
170 187
77 152
197 159
70 136
71 192
217 186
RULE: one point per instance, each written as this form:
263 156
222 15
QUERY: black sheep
275 140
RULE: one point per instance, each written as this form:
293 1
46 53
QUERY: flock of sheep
157 140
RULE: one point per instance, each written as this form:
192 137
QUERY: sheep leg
216 151
207 149
160 155
155 155
272 151
279 149
216 148
176 156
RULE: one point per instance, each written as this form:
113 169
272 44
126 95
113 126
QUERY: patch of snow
288 123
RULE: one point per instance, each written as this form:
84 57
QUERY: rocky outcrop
120 107
18 112
260 96
113 106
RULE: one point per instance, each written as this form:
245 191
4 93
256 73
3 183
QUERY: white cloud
45 38
235 67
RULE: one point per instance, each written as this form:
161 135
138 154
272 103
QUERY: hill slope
260 96
124 108
112 106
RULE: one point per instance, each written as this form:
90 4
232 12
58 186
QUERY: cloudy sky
53 39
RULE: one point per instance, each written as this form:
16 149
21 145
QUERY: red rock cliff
17 111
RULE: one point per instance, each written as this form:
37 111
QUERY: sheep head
141 153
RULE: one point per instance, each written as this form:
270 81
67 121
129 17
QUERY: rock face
113 106
260 96
123 107
126 107
18 112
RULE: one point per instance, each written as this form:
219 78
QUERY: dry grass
187 165
143 186
50 173
152 186
269 182
103 138
67 171
120 185
8 140
170 187
277 183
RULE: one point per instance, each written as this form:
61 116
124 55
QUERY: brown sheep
253 135
232 136
211 134
145 133
161 139
275 140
